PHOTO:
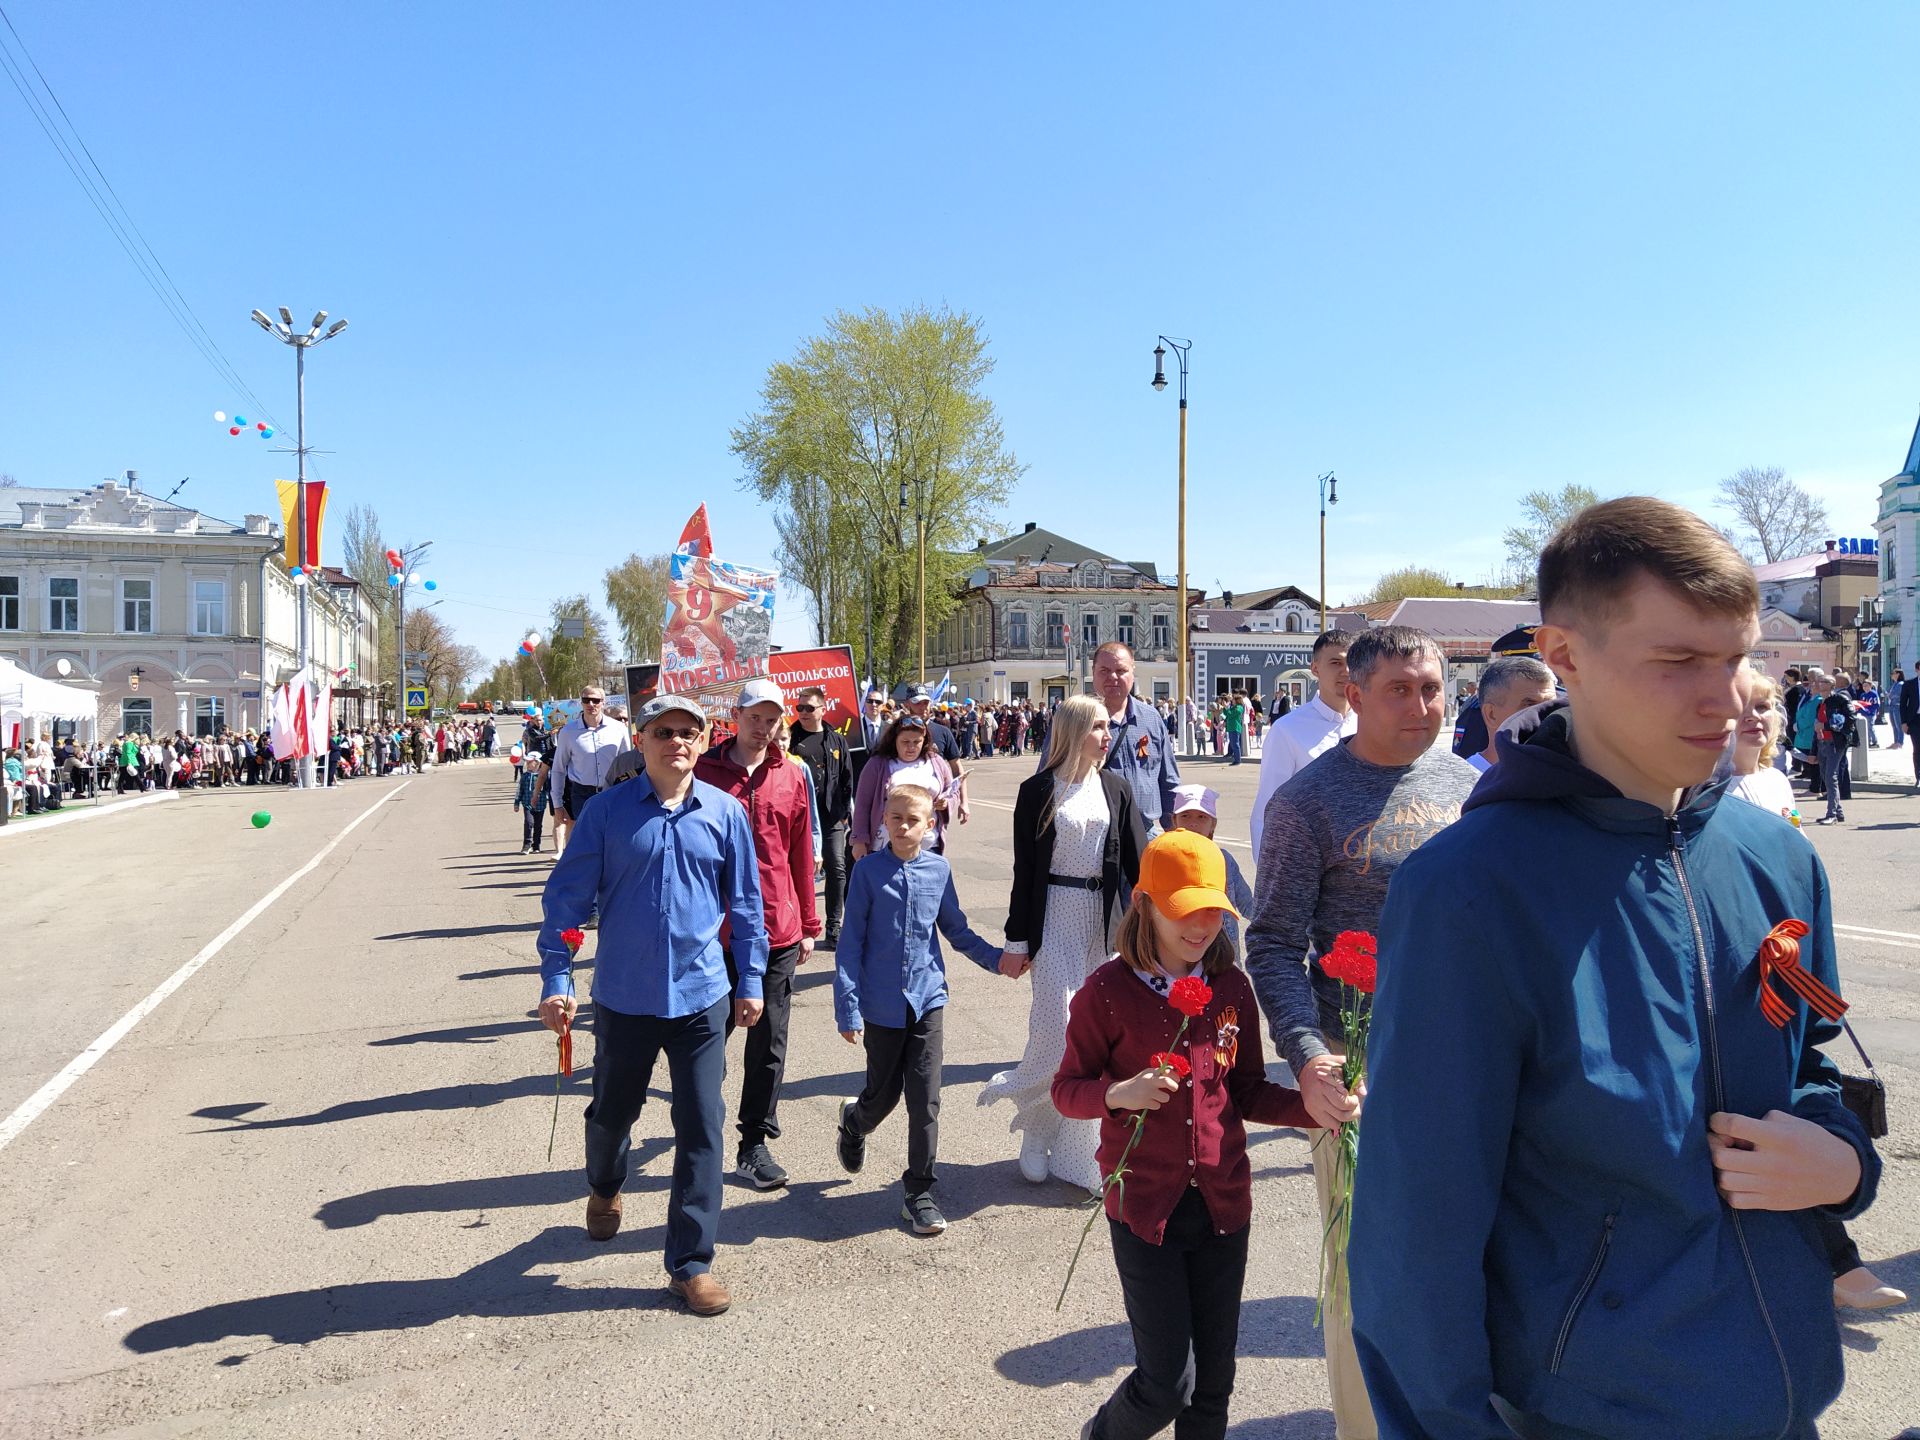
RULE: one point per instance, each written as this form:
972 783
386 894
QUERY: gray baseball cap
667 704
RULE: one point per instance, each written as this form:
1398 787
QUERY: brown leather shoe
704 1294
603 1216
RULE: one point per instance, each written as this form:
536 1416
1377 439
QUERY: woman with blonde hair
1077 838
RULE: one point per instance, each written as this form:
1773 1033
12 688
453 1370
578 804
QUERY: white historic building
175 620
1036 606
1898 531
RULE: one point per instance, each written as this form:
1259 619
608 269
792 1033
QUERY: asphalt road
308 1193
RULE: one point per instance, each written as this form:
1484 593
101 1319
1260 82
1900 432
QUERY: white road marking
71 814
1900 939
36 1104
996 805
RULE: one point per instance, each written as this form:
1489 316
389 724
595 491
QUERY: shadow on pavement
486 1034
497 1192
505 971
445 1097
847 1085
497 1288
1276 1328
462 932
1301 1425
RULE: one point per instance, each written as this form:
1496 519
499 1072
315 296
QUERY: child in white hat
1197 808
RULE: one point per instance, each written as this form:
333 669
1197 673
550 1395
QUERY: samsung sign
1857 547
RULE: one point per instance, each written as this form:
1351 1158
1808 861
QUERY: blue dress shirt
664 880
889 957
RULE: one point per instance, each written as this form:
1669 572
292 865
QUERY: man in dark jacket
1594 1229
825 751
1908 701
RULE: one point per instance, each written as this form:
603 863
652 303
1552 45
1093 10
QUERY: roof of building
1912 467
1267 599
12 497
1039 544
1805 567
1454 618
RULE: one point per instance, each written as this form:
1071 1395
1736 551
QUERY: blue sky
1452 253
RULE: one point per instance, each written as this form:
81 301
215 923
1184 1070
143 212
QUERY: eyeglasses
664 733
805 709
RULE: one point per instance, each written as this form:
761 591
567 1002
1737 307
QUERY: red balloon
260 425
233 429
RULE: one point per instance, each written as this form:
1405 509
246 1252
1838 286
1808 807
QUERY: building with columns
1896 628
174 619
1037 605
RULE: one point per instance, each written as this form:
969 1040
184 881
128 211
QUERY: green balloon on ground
261 819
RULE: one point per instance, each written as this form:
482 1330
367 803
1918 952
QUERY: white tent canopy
25 696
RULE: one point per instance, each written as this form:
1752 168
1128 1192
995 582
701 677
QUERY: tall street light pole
283 331
1329 495
1180 349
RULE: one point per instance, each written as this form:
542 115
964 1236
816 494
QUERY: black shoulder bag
1864 1095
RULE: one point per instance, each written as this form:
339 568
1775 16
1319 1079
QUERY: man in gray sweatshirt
1334 835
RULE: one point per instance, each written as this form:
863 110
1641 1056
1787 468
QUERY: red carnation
1167 1060
1352 960
1190 995
573 939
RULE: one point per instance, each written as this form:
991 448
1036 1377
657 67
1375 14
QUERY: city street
308 1193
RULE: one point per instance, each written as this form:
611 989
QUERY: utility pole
1329 495
1180 349
303 577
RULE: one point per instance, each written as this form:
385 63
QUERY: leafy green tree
637 596
1413 582
571 663
1542 513
876 407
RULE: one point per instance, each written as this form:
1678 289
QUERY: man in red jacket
774 790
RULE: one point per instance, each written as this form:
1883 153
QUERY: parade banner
719 621
831 668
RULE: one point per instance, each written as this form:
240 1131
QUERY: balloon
259 424
266 434
233 430
293 569
63 665
533 638
261 819
219 417
432 585
240 420
393 580
393 557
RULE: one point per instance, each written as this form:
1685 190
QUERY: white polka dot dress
1073 944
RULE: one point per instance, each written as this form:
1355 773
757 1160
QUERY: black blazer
1033 854
1910 703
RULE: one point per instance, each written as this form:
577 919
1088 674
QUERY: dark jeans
624 1049
530 827
574 796
838 856
1235 739
905 1059
1834 778
1842 1254
765 1063
1183 1302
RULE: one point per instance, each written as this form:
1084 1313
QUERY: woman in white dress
1077 839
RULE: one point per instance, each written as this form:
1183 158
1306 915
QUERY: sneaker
923 1215
1828 820
758 1165
853 1145
1033 1159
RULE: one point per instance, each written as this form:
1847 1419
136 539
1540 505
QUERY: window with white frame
1056 629
209 607
136 717
136 607
209 715
1125 631
1016 629
1090 631
63 602
1162 631
9 602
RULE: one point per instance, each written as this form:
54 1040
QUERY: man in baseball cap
774 790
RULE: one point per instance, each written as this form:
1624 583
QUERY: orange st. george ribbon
1780 959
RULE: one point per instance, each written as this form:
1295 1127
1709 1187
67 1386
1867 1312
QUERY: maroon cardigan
1116 1026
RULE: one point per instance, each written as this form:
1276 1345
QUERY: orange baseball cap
1182 872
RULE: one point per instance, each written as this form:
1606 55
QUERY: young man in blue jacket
1590 1154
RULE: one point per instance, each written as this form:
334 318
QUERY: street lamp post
283 331
920 584
1180 349
1329 495
409 557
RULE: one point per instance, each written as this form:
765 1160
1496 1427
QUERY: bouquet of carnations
1190 995
1352 962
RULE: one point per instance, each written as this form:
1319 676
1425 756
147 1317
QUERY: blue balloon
241 421
393 580
432 585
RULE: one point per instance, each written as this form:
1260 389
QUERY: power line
117 218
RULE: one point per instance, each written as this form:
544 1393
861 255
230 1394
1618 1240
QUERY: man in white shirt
1512 683
583 754
1306 731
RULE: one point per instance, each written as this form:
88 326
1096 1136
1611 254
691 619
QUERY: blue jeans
1833 759
624 1050
1234 741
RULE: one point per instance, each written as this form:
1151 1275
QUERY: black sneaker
757 1164
923 1215
853 1145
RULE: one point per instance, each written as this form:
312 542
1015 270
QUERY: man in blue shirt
666 859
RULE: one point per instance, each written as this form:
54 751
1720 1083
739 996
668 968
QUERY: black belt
1076 882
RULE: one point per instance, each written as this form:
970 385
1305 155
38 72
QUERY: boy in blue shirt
890 988
530 795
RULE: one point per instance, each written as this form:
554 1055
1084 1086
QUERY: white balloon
533 637
63 665
219 417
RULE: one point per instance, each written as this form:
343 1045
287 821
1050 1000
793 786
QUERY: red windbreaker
776 799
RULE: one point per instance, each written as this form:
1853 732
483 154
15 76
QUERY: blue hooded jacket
1568 989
